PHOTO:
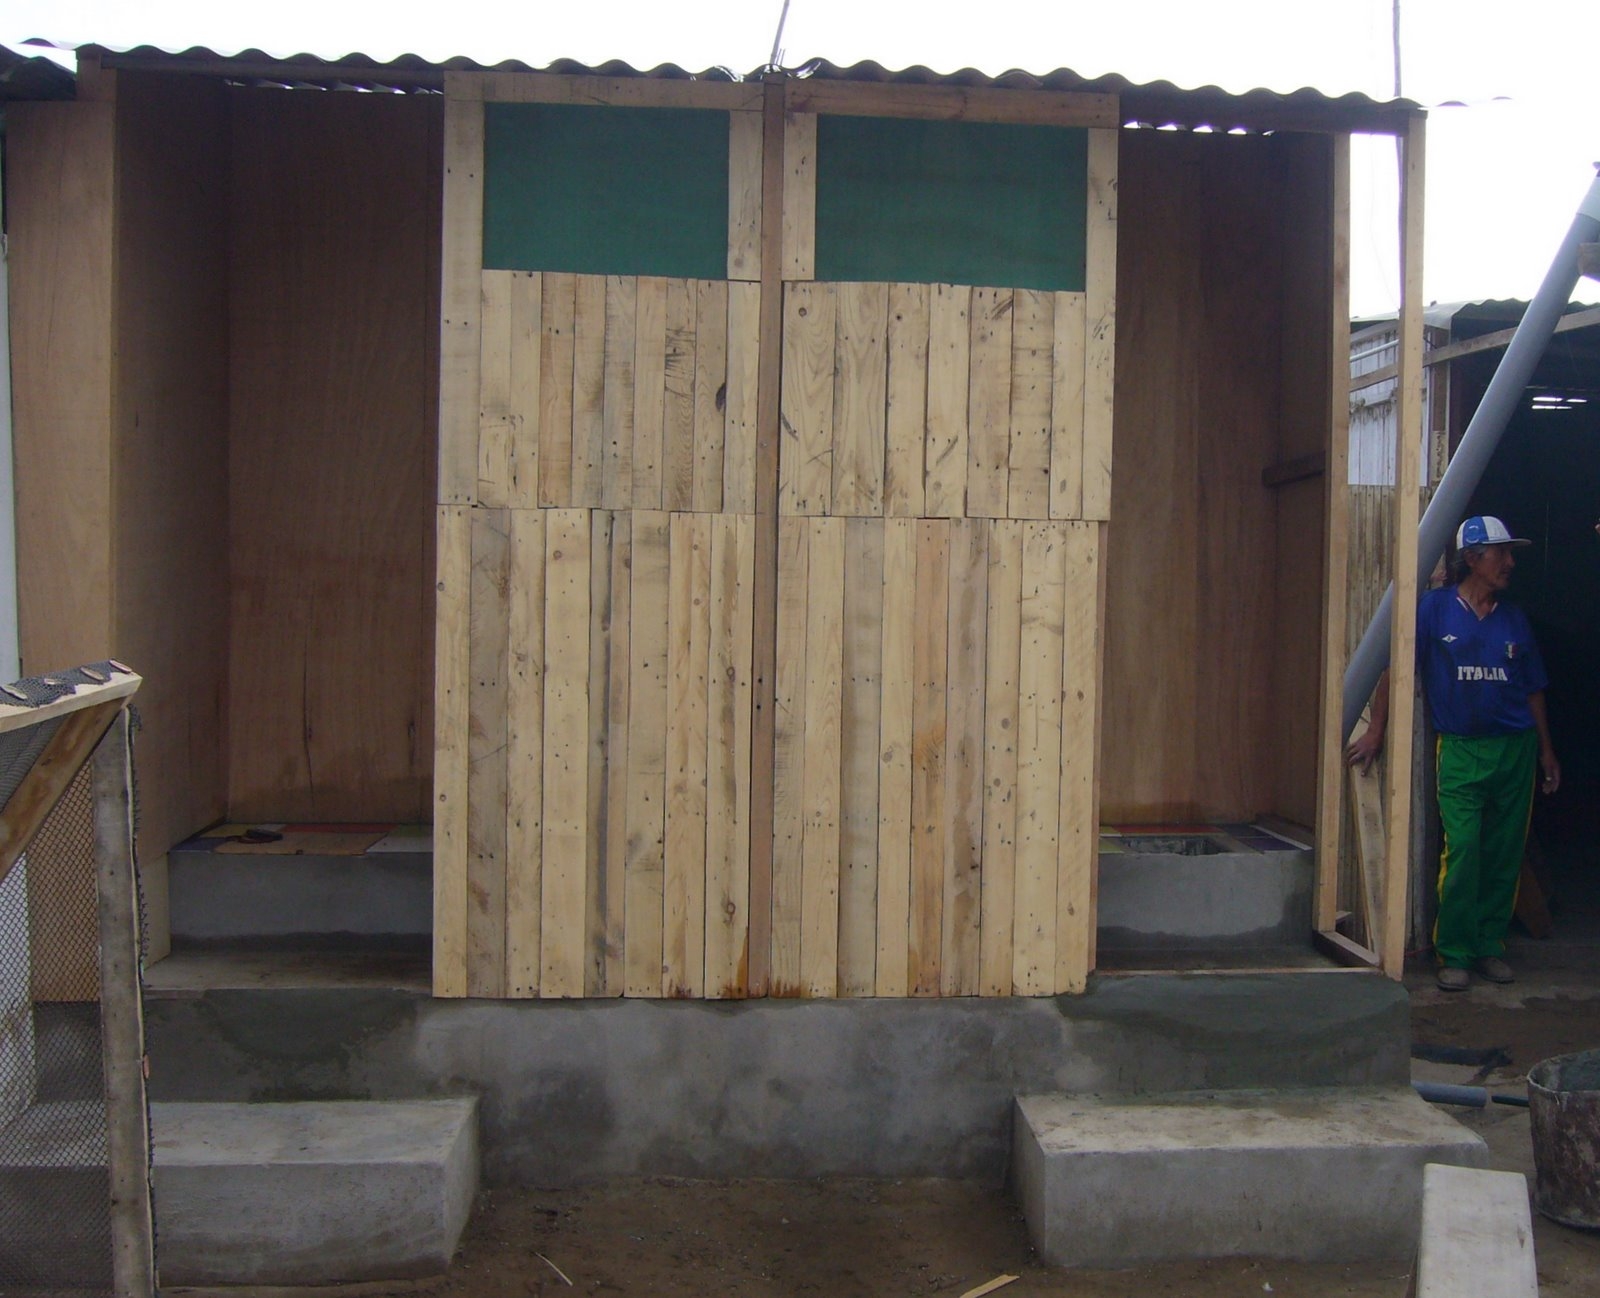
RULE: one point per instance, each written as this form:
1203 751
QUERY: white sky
1505 171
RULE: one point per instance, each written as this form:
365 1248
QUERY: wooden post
122 1018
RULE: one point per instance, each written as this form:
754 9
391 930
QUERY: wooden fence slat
1100 315
619 669
949 347
688 643
452 679
647 754
819 902
622 304
800 196
989 403
601 794
1039 758
649 390
710 393
930 630
1066 409
588 390
860 398
805 467
486 756
527 317
461 256
744 195
1032 375
677 430
964 752
1000 722
566 752
494 389
897 670
556 353
788 812
525 753
727 760
744 355
858 777
743 732
907 397
1078 833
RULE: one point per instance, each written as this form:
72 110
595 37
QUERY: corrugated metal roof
28 76
1157 103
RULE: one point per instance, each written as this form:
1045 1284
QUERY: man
1484 682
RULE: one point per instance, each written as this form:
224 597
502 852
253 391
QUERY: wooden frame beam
1468 346
951 103
617 92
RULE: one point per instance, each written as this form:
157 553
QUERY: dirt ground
923 1237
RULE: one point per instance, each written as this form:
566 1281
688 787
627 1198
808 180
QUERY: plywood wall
333 293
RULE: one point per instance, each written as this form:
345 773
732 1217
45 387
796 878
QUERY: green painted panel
606 191
951 202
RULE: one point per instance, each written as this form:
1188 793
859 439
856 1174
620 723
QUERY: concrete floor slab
1313 1175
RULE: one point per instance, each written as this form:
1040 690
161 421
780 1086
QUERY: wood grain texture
647 754
486 754
556 351
907 400
688 650
588 391
1078 830
618 92
800 196
1100 322
860 399
527 328
617 414
597 815
896 714
806 457
952 103
1000 722
1066 408
789 797
612 908
930 631
677 431
710 393
462 261
966 646
819 888
949 346
649 391
495 479
1032 384
524 752
859 756
744 195
744 355
989 403
452 690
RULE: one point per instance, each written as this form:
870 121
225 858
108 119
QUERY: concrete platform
314 1192
1219 900
1322 1175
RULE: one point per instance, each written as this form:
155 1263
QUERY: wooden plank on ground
744 195
966 643
858 775
451 728
819 887
1032 381
1039 758
647 753
486 756
527 318
989 403
806 458
601 794
800 196
494 390
710 392
907 383
897 668
1066 408
949 345
728 758
524 752
688 646
677 424
555 390
1100 323
622 302
788 814
461 267
930 629
588 390
1078 834
744 355
649 390
1000 722
860 399
566 753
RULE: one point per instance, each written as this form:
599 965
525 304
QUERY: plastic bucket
1564 1103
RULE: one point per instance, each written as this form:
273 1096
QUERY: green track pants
1485 798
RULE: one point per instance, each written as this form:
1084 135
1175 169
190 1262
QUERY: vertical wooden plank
1032 375
451 728
949 345
738 903
898 668
677 432
1100 322
486 755
566 752
688 643
907 398
1078 833
800 196
930 630
649 389
525 753
744 196
1336 550
555 390
1039 758
494 389
727 785
858 740
588 390
619 668
744 354
597 821
647 754
710 392
860 398
1101 531
1000 729
788 816
819 901
1066 408
616 486
527 318
966 643
989 403
806 464
461 267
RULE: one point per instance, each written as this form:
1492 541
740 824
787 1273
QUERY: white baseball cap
1486 529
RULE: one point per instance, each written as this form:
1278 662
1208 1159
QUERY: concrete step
313 1192
1477 1235
1312 1175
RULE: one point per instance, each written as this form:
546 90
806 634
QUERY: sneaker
1495 969
1452 979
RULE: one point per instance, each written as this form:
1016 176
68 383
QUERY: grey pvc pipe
1478 443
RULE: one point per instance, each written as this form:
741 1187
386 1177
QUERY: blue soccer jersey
1477 673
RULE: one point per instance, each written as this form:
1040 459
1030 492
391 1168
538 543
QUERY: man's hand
1364 750
1551 769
